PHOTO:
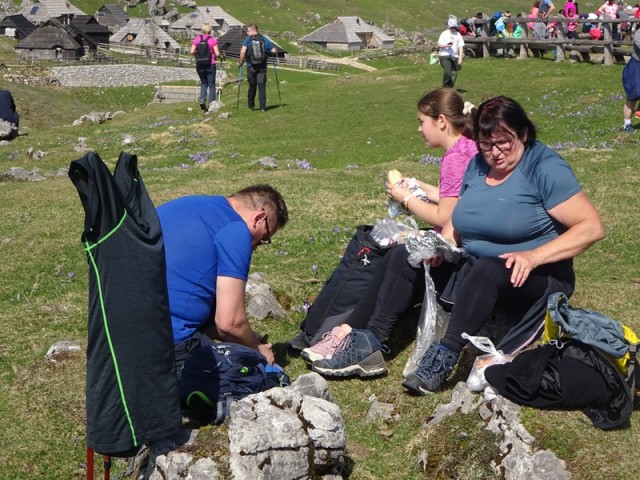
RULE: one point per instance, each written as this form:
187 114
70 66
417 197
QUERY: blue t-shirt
512 216
203 238
268 46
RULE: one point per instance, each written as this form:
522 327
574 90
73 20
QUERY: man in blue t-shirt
256 72
208 243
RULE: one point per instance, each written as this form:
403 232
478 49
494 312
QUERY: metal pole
275 72
239 83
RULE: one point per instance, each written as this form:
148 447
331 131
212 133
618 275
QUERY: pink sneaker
325 348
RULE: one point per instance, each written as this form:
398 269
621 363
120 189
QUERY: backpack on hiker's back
256 52
203 51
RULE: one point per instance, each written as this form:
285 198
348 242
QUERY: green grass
332 121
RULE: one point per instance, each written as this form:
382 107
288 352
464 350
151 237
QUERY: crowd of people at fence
591 29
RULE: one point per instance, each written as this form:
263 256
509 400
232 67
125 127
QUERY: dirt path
352 62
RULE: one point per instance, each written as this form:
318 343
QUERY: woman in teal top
522 216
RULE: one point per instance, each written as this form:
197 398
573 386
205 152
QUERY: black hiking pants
257 78
395 289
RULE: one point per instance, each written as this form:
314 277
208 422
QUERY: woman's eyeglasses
503 145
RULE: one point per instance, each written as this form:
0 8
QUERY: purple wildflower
336 229
304 164
314 268
70 276
200 157
429 160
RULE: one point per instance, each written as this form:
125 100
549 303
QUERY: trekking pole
90 463
107 467
275 72
239 83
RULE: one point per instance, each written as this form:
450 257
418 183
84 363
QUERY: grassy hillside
296 15
351 127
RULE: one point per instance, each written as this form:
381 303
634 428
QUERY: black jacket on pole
132 395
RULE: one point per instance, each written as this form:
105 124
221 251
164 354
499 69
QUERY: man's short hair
262 196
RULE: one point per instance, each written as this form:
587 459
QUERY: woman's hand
521 264
434 261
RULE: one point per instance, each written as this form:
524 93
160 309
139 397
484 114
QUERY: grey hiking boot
435 366
629 128
359 353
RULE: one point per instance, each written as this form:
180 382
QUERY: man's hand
265 349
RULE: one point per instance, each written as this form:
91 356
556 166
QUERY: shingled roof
220 20
39 11
144 33
348 30
23 26
112 16
49 36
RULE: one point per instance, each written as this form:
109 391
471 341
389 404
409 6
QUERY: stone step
176 94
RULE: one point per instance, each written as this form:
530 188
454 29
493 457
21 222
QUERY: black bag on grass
346 285
216 375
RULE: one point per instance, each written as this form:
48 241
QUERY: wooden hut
349 33
39 12
190 23
52 41
142 32
112 16
89 26
16 26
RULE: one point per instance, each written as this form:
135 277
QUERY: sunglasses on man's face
266 240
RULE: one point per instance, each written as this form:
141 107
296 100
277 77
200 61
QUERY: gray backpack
256 53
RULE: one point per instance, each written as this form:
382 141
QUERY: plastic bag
476 381
388 232
426 244
431 326
395 208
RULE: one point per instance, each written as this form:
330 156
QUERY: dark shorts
631 80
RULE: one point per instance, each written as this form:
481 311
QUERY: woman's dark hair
503 113
448 102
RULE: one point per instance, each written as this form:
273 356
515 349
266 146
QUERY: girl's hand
397 192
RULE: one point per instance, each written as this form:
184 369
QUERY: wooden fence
107 52
611 48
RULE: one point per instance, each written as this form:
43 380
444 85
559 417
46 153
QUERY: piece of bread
394 177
